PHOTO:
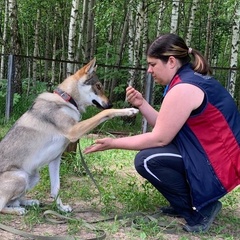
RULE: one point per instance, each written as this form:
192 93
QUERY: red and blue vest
209 141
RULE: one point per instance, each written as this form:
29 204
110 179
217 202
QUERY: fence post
10 92
148 97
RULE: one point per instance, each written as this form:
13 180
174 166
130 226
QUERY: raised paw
131 111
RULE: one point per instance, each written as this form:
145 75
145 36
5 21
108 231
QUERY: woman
192 155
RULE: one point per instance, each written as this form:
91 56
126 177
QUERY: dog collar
65 96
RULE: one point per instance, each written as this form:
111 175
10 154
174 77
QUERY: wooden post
10 91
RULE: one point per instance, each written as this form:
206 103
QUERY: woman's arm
175 110
136 99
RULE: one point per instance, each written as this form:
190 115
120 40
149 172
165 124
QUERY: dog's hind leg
54 168
12 188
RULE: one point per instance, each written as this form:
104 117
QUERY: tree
191 22
3 40
72 35
234 49
174 16
15 43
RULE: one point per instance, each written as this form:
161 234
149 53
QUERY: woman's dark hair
172 45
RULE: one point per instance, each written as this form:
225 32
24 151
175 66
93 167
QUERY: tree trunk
80 53
208 30
4 40
35 51
119 55
174 17
234 50
89 47
72 36
162 7
15 43
191 22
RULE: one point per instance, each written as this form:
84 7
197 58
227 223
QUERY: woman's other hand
134 97
99 145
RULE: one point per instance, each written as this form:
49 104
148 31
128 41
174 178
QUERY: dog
40 136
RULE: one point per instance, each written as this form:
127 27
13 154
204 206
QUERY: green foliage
3 94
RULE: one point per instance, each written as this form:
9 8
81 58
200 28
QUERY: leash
56 218
88 171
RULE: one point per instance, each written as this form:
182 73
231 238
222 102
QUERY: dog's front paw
29 202
131 111
64 208
14 210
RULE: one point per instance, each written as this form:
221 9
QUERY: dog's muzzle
98 105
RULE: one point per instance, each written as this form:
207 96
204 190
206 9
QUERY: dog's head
88 90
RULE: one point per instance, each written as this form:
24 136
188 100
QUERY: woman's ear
172 61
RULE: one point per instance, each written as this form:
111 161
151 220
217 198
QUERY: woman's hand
134 97
99 145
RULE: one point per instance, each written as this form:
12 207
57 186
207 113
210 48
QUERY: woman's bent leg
163 167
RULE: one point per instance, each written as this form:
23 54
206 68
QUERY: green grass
122 191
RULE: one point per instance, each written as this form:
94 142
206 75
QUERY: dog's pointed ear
90 67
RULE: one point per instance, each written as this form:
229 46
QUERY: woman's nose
149 70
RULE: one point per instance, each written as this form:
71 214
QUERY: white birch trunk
131 46
208 31
4 40
35 50
80 46
234 50
72 35
162 7
174 17
191 22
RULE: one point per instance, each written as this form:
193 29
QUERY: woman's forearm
149 113
136 142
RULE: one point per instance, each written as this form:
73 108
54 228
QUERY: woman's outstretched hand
134 97
99 145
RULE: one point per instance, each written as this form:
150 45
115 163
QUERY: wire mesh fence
36 75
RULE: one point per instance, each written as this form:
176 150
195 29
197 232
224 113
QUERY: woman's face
161 71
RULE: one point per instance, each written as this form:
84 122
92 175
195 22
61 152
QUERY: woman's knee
139 161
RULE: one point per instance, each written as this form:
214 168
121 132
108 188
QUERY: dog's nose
109 105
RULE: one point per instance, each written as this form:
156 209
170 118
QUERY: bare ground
124 229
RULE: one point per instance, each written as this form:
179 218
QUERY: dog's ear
90 67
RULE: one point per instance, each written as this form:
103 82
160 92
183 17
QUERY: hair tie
189 50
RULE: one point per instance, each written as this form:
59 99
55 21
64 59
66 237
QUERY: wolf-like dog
41 134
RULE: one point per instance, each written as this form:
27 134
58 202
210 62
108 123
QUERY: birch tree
174 17
234 49
4 38
72 35
191 22
139 36
90 41
119 54
208 31
36 49
162 7
80 51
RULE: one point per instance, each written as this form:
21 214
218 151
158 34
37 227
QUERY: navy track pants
163 167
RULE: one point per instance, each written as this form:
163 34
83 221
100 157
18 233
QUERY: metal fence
44 78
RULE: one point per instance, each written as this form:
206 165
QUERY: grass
122 191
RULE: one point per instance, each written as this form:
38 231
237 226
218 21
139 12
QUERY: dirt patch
115 230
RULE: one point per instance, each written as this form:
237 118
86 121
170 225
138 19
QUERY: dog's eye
99 86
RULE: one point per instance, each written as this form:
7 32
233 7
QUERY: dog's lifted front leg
83 127
54 168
